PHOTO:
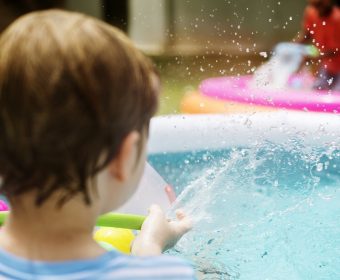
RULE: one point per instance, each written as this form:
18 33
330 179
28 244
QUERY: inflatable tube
237 89
181 133
196 103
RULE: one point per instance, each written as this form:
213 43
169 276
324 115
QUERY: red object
324 32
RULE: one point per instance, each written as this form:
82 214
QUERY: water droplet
319 167
330 81
264 54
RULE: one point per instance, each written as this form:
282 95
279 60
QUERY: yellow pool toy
119 238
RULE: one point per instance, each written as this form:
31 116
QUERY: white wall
148 24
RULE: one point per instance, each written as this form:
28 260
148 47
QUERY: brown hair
71 88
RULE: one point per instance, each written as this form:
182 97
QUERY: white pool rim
180 133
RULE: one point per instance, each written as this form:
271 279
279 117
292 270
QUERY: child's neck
47 233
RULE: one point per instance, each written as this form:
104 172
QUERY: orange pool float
196 103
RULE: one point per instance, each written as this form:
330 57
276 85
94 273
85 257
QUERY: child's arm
158 233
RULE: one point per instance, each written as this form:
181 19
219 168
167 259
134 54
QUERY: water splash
264 212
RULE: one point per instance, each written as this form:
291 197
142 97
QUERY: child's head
75 96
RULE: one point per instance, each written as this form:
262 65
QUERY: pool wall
180 133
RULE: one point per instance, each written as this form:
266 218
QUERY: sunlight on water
264 212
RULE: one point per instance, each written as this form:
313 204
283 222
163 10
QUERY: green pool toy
120 220
312 51
117 220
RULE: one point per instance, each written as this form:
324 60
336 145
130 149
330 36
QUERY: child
76 99
321 26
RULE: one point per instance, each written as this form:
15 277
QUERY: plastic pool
264 191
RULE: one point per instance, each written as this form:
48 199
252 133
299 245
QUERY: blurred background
189 40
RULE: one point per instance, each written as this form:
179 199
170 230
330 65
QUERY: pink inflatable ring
237 89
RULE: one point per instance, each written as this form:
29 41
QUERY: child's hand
158 233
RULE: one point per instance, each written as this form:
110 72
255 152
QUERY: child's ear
122 165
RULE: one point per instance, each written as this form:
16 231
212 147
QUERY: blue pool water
265 212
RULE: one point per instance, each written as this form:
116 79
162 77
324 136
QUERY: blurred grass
182 74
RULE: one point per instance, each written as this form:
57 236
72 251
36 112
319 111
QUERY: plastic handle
108 220
120 220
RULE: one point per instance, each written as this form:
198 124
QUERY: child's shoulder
112 265
155 267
